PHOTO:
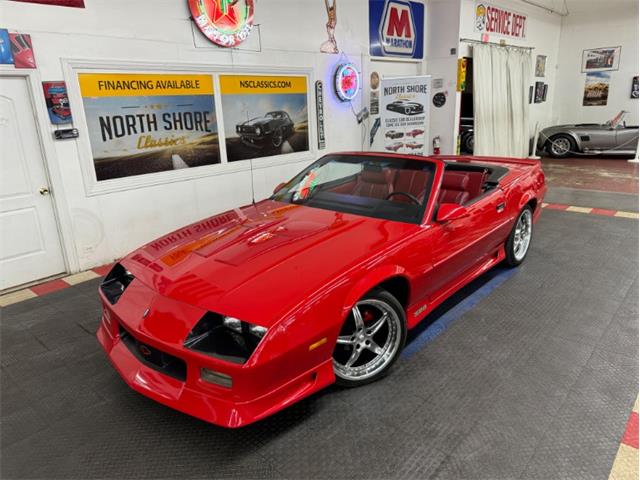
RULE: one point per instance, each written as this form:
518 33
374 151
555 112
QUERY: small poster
6 58
541 63
264 115
634 87
596 89
22 50
57 100
147 123
601 59
539 94
405 114
374 94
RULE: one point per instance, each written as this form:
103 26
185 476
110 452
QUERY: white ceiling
585 6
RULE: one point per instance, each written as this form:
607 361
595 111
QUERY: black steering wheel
404 194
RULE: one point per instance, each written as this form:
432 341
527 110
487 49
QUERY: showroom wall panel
126 34
616 25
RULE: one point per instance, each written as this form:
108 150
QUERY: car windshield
373 186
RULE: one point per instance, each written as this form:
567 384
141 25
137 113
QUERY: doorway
30 247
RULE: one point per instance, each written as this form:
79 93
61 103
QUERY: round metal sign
347 82
225 22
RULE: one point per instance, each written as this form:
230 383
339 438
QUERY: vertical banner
264 115
320 114
405 114
147 123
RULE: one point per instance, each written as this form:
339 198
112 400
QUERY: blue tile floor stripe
435 328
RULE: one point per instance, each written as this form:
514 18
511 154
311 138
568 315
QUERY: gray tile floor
536 381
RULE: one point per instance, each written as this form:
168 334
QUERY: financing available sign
404 106
492 19
147 123
396 29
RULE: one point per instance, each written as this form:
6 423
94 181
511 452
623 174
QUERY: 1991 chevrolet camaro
242 314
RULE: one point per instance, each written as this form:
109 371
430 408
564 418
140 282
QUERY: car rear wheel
561 146
519 241
370 340
278 137
467 143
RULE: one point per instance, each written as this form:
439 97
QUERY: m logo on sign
397 29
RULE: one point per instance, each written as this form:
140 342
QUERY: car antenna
253 190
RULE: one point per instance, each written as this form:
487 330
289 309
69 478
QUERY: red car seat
454 188
374 184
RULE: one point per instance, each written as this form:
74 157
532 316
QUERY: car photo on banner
264 115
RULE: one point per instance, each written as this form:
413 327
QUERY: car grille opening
154 358
115 283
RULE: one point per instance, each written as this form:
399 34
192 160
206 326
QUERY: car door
461 245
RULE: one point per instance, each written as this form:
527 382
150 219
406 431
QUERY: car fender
369 281
571 133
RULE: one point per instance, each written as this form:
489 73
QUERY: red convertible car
238 316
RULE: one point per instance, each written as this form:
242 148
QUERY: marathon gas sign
492 19
396 29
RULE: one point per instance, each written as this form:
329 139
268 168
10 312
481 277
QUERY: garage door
29 241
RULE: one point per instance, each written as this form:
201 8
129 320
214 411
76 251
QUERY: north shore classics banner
147 123
264 115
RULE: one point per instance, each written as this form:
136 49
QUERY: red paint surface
298 271
603 211
630 436
103 270
49 287
556 206
62 3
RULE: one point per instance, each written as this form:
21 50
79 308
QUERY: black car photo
406 107
270 130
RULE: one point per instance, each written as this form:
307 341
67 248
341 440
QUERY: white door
29 240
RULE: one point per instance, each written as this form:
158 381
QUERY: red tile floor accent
49 287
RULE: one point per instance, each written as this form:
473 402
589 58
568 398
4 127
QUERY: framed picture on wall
541 63
601 59
544 92
539 92
634 87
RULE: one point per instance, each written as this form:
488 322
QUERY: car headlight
226 338
258 130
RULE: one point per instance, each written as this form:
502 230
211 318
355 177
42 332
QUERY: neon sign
347 82
225 22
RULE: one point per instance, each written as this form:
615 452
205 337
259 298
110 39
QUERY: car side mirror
280 185
450 211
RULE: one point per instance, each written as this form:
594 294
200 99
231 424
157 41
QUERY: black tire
513 259
567 141
277 137
467 142
384 297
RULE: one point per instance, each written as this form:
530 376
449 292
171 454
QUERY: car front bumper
196 397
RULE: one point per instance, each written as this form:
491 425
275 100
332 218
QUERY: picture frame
539 92
634 87
541 63
544 92
601 59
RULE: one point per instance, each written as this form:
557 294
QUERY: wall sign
225 22
6 57
22 50
405 119
439 99
500 21
396 29
264 115
601 59
57 100
596 89
347 82
147 123
320 114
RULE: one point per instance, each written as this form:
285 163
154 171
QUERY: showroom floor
528 373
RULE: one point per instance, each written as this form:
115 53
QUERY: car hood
256 122
575 126
274 254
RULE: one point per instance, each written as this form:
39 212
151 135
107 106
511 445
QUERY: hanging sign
405 114
396 29
141 123
500 21
320 114
225 22
347 82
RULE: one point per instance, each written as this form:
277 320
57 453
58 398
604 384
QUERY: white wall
580 31
542 33
106 226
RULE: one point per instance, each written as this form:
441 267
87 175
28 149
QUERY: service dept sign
396 29
500 21
225 22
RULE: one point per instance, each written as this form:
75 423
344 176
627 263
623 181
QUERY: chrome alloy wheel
369 340
560 146
522 236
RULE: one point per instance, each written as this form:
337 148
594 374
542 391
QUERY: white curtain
501 77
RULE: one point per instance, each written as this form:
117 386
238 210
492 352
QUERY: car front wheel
370 340
561 146
519 241
278 137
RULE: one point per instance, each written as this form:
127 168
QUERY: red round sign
224 22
